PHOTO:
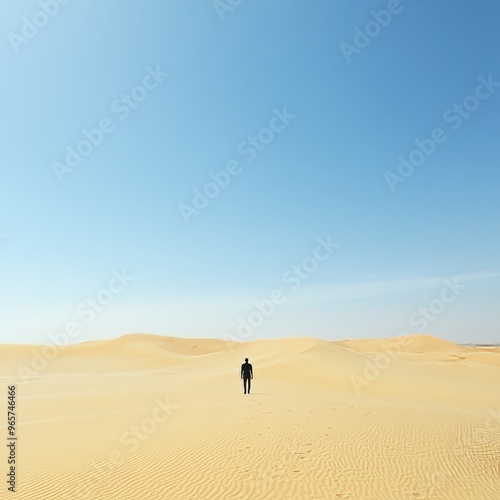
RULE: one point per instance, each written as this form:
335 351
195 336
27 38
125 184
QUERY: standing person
246 375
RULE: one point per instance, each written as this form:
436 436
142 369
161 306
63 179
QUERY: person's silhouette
246 375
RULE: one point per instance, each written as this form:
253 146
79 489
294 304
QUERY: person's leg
244 385
249 385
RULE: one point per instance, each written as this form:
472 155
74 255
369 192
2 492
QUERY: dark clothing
246 375
246 370
246 385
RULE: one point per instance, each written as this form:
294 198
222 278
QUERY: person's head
246 360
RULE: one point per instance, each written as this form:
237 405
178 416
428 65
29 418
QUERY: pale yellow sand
323 422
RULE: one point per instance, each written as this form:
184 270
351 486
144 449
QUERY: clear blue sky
323 174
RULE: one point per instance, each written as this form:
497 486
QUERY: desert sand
152 417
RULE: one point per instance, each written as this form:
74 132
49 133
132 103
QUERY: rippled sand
150 417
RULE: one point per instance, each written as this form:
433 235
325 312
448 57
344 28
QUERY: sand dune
152 417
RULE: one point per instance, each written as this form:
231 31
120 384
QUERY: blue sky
355 104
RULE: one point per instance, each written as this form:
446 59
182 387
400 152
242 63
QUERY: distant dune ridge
148 416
